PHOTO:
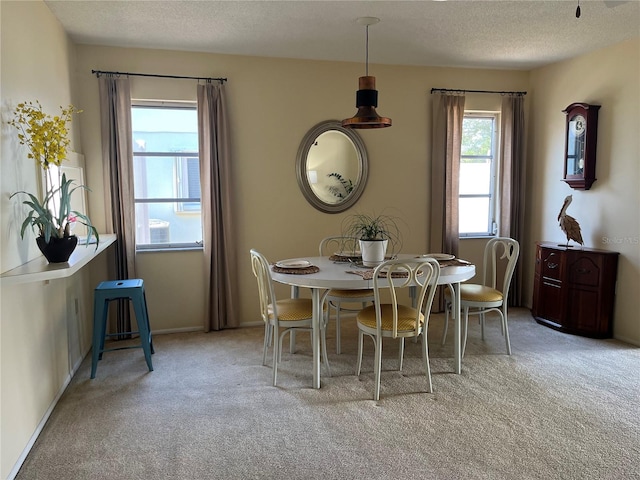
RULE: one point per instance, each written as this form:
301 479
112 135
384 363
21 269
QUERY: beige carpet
560 407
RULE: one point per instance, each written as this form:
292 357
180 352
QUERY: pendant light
367 95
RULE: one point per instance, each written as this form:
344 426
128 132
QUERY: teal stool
112 290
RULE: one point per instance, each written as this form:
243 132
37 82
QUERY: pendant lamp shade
367 95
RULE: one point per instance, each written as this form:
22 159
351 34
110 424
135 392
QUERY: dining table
330 272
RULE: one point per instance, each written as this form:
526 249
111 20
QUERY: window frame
179 165
494 191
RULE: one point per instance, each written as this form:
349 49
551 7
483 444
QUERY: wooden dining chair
394 319
336 298
500 258
282 316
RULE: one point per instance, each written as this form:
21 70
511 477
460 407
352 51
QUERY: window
478 167
166 174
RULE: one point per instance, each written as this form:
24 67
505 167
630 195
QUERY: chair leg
292 342
378 367
400 354
425 358
505 326
267 342
338 329
360 342
276 350
447 307
466 328
481 325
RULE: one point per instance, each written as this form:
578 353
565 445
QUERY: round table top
335 274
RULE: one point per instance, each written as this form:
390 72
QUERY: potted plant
375 233
51 216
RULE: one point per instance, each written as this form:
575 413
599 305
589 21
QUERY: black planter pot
58 250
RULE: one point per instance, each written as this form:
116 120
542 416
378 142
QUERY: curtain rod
475 91
208 79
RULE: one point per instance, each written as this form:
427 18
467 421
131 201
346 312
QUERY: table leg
315 336
455 312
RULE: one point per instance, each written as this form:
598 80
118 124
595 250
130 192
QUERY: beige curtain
512 182
117 162
217 216
446 139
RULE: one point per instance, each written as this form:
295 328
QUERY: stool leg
146 315
143 327
99 325
103 334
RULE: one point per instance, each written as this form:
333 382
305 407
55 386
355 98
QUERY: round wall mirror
332 167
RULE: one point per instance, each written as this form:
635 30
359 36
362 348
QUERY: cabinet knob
552 265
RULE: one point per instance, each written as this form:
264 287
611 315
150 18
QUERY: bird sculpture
568 224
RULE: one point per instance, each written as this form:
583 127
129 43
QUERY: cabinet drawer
551 265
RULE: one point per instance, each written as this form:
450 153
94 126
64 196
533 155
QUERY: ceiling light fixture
367 95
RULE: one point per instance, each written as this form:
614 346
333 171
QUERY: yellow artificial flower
45 136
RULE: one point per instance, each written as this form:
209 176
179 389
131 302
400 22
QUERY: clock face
578 125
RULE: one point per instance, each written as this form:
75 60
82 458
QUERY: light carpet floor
560 407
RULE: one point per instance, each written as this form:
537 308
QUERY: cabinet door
586 312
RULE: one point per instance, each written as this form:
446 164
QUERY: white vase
373 252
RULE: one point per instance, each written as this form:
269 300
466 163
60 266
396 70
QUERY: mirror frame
301 167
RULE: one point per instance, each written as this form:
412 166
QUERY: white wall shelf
39 269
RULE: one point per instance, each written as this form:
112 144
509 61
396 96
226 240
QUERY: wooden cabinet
574 289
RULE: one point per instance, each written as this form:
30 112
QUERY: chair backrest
422 273
500 258
331 245
260 267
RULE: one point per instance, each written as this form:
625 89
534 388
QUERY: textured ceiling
516 34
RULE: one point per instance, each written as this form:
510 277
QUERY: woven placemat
368 274
296 271
345 259
453 263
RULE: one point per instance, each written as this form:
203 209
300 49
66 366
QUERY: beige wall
272 104
609 212
45 327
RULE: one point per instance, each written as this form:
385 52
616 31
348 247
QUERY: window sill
171 249
476 237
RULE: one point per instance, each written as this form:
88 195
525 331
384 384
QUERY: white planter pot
373 252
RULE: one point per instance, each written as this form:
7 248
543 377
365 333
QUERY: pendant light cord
367 53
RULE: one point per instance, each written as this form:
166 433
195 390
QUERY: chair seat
479 293
351 294
293 309
471 292
406 317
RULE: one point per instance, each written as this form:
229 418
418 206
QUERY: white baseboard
16 468
177 330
